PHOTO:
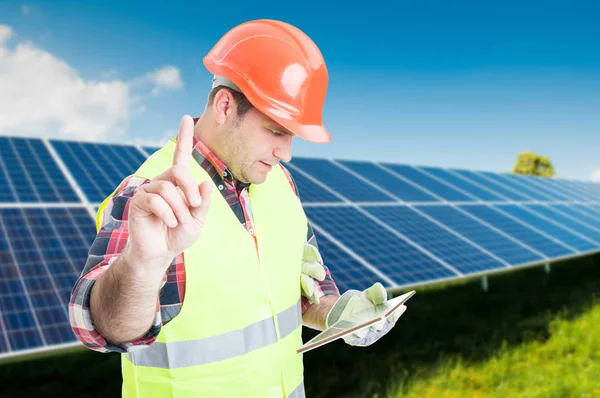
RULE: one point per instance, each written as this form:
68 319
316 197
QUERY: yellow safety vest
241 322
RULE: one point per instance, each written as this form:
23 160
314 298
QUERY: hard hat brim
312 133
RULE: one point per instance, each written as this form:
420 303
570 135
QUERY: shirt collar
209 161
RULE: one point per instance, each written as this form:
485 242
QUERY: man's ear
223 105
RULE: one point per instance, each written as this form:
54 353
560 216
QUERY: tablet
359 321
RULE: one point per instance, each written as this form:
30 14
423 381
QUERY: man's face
253 145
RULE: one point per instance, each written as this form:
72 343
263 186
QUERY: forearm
123 300
314 317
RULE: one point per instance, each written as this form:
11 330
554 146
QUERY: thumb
314 270
307 285
199 213
376 293
308 289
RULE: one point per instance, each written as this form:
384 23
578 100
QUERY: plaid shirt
113 235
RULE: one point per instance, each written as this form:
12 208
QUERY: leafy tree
529 163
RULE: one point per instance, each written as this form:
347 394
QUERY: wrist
142 267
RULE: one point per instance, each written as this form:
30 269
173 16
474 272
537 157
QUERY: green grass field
531 335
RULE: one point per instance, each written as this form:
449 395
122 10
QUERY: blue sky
454 84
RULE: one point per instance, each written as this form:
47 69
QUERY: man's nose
284 152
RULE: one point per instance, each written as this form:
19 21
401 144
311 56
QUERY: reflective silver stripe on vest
218 348
298 392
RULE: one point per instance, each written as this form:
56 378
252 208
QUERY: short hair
242 102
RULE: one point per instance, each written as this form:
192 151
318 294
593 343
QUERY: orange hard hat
279 69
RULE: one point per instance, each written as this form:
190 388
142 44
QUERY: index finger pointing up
184 145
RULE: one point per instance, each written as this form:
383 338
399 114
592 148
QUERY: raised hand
166 216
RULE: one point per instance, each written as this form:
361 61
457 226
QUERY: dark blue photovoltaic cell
462 184
446 246
42 251
588 210
573 225
396 186
344 183
309 191
431 184
99 168
391 255
6 191
593 187
549 187
552 185
588 219
519 231
518 184
30 173
507 249
493 185
20 328
579 188
547 227
570 190
4 344
347 272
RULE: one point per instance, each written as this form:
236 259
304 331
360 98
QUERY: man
205 267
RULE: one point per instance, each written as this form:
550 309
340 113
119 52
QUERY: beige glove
354 301
312 271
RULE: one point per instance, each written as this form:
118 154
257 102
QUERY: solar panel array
398 224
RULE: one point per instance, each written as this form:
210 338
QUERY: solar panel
560 233
350 272
589 210
309 190
576 224
441 189
502 189
98 168
558 191
572 190
455 250
587 191
400 188
43 250
467 186
30 174
150 150
591 186
351 187
573 211
397 224
521 231
402 262
485 235
514 182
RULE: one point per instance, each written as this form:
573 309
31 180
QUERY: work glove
312 271
355 301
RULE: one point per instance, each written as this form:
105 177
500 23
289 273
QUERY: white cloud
43 95
596 176
5 35
167 77
157 142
